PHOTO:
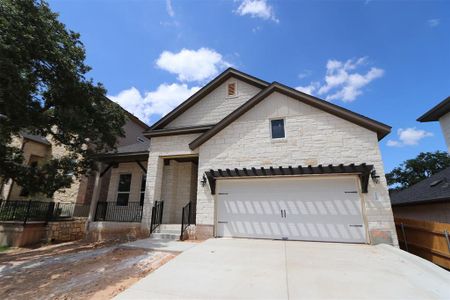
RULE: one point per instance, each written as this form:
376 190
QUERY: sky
387 60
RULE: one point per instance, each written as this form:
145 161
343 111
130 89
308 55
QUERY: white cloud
304 74
309 89
408 137
257 9
434 22
344 80
158 102
192 65
169 8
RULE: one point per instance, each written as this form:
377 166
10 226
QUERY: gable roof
213 84
433 189
436 112
381 129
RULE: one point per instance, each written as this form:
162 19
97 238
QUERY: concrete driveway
266 269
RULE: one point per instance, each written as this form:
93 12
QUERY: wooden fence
427 239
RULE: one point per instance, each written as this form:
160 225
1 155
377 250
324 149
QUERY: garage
311 208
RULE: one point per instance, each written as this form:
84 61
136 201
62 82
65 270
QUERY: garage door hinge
355 225
350 192
223 193
222 222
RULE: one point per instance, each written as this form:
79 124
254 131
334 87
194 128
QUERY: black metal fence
157 213
110 211
187 217
31 210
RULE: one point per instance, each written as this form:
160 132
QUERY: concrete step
170 227
165 236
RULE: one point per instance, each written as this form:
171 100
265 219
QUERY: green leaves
44 91
415 170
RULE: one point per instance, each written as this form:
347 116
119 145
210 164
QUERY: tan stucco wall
444 121
438 212
215 106
312 137
136 177
132 132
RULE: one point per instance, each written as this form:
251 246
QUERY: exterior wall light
375 177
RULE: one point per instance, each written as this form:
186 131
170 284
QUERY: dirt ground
75 270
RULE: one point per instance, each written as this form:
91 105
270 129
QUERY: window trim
123 192
284 129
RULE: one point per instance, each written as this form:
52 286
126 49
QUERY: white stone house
262 160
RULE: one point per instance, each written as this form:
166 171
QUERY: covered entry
312 208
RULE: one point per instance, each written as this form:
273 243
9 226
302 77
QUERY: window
232 90
33 163
143 189
123 190
277 127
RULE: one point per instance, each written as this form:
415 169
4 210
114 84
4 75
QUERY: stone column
152 189
95 193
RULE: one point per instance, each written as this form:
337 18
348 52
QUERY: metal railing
157 214
110 211
187 218
31 210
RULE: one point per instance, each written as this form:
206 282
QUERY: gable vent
231 89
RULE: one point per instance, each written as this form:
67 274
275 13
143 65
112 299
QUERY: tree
415 170
44 91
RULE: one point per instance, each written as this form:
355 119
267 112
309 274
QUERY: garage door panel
325 209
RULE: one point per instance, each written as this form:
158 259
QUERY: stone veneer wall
64 231
313 137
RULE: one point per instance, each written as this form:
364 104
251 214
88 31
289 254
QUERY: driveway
266 269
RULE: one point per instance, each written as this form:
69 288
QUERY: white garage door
321 208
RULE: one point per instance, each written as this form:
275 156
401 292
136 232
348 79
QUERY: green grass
3 248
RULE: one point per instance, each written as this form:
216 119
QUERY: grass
3 248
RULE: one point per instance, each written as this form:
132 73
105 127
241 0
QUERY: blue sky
388 60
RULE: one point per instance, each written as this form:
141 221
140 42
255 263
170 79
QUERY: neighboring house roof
433 189
436 112
136 151
212 85
381 129
35 138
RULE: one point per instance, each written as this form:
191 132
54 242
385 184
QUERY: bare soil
75 270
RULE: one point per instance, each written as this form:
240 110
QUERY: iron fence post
26 214
404 237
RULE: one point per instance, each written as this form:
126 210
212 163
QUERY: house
37 149
243 157
428 200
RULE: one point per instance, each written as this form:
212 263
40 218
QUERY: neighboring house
254 159
441 113
37 149
429 199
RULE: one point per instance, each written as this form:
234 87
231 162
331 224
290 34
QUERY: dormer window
232 89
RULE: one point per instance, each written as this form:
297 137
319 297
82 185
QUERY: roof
436 112
381 129
433 189
136 151
35 138
212 85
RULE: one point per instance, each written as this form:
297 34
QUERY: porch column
152 189
95 193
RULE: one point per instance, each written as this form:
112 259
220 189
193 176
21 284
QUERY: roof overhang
123 157
436 112
381 129
362 170
421 202
177 131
